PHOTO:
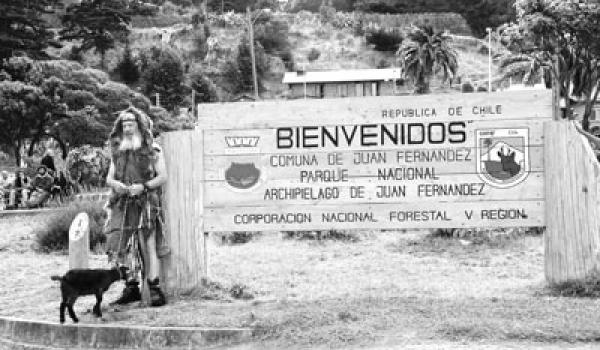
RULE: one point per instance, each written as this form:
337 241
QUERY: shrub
313 54
200 41
164 121
588 288
482 88
383 63
206 90
327 13
333 235
467 87
115 95
304 5
288 59
238 71
83 127
385 40
163 73
322 33
239 237
54 236
128 69
75 54
273 36
169 9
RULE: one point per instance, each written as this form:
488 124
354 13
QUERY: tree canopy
560 37
99 24
478 13
59 99
23 29
425 53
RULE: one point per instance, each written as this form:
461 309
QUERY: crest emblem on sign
502 156
242 175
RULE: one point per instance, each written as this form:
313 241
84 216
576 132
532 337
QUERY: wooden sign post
432 161
79 242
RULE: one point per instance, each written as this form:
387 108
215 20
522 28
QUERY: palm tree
425 53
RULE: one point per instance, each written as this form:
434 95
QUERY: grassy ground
390 287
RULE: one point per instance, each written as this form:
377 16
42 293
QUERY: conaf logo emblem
503 156
242 175
241 141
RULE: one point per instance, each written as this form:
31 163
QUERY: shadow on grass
588 288
435 243
480 332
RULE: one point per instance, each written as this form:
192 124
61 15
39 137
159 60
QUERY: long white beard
134 142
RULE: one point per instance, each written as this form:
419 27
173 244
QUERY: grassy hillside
339 46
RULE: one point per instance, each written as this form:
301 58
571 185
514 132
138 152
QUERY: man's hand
120 187
136 189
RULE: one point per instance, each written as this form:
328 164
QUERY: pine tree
127 68
23 30
98 23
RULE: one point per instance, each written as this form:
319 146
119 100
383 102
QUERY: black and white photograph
299 174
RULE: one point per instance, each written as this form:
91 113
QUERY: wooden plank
451 188
574 173
198 240
376 216
571 242
185 149
550 218
171 191
183 204
567 204
584 202
513 105
369 136
362 163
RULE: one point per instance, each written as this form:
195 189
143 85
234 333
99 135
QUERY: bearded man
136 173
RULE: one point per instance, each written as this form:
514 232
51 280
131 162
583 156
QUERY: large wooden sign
455 160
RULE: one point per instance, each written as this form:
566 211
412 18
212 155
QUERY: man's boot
130 294
157 298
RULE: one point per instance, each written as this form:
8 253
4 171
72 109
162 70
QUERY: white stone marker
79 242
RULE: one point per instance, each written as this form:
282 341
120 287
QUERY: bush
327 13
206 90
482 88
385 40
164 121
128 69
54 236
313 54
383 63
304 5
239 237
201 41
238 71
75 54
333 235
83 127
288 59
586 288
467 87
273 36
163 73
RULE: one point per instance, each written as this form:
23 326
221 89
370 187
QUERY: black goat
78 282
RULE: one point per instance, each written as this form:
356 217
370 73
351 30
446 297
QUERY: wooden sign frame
373 162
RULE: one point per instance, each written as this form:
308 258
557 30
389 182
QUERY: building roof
349 75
